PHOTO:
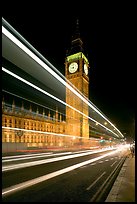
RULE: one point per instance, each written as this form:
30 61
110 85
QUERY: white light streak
39 61
55 98
45 161
41 132
34 157
26 155
46 154
40 179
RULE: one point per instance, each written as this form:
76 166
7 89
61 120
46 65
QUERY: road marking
100 162
83 166
93 164
113 163
95 181
26 184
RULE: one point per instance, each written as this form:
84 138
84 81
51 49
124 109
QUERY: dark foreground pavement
123 189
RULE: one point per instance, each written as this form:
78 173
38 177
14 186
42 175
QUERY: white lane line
113 163
95 181
100 162
31 182
107 160
93 164
83 167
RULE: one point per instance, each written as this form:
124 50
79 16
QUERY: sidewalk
123 189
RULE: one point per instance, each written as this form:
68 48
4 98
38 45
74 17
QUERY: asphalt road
57 177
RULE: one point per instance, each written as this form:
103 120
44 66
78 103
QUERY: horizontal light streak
41 106
39 61
45 161
50 95
41 132
32 102
25 155
34 157
48 153
40 179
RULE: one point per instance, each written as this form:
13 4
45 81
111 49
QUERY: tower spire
76 42
77 31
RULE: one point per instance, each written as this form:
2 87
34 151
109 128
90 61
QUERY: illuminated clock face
85 69
73 67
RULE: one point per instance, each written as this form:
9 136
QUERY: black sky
107 32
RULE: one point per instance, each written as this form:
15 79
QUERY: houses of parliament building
24 128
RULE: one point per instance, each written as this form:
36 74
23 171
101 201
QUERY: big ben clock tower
76 72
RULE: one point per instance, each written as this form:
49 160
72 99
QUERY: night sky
108 37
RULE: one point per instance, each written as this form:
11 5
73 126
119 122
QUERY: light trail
26 184
24 155
40 62
32 102
35 156
55 98
41 132
43 107
34 163
11 158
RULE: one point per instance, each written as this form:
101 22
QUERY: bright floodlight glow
39 61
